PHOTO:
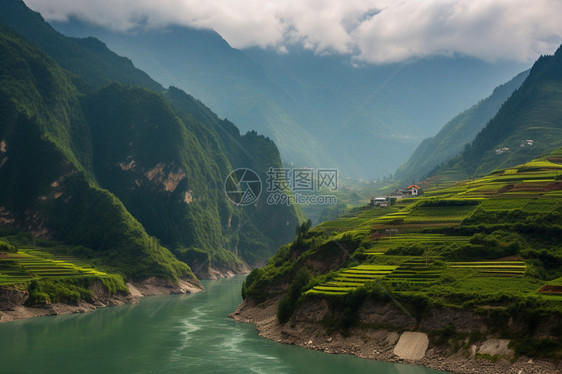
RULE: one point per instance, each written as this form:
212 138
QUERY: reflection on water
166 334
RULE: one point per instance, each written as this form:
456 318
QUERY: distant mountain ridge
322 111
226 79
87 57
121 166
527 125
460 130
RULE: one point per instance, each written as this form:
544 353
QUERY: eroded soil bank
395 343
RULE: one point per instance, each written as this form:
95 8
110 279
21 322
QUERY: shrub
292 299
251 286
70 290
533 347
38 298
6 247
114 284
406 250
285 309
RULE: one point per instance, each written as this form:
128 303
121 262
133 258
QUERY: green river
166 334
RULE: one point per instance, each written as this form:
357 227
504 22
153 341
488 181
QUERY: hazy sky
375 31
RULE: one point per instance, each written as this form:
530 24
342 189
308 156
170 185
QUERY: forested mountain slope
462 129
114 154
528 124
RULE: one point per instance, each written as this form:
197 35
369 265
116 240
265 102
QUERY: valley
286 184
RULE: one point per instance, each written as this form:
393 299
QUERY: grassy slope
493 243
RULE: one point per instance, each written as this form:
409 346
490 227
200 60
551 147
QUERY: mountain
322 111
103 157
528 124
227 80
47 186
460 130
87 57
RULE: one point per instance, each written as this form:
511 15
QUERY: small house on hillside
380 202
527 143
414 190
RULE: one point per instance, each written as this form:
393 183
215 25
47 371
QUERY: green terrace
493 268
352 278
536 176
554 287
418 270
407 243
26 265
386 241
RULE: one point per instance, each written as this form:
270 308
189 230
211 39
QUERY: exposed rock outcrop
412 346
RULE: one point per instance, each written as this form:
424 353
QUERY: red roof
413 185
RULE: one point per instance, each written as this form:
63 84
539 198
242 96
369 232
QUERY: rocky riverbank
306 330
12 300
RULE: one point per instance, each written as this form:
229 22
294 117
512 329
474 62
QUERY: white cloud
373 31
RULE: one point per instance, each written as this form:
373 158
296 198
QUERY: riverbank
306 330
12 300
167 334
218 273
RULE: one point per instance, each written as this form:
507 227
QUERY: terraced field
383 244
456 213
26 265
416 271
406 229
553 288
493 268
352 278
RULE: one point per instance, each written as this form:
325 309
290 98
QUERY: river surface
166 334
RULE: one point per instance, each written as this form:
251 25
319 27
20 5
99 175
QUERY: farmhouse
385 202
412 190
380 202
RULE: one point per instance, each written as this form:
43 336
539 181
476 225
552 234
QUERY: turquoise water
166 334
